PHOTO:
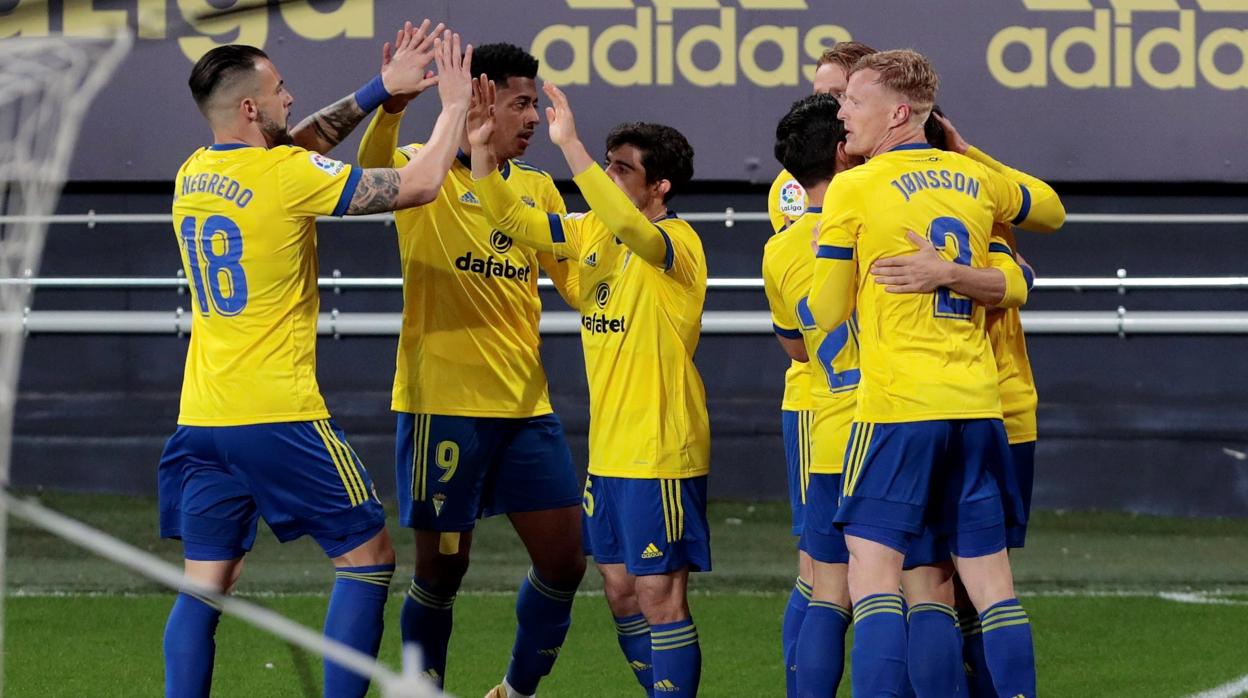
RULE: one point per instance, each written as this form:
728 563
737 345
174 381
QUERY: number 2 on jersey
830 348
220 242
948 304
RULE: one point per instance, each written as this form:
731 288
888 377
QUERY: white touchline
1238 687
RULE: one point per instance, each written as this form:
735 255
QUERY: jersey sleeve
686 262
783 315
379 146
834 291
314 185
613 207
1001 258
1020 198
563 271
544 231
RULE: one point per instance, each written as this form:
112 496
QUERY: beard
275 134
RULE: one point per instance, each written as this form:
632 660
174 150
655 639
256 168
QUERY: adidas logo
652 551
638 665
592 260
552 652
469 198
666 686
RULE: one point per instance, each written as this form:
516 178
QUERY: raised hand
404 68
481 113
953 140
559 116
454 71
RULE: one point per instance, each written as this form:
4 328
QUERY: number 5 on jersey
214 256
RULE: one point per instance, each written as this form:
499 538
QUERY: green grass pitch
79 626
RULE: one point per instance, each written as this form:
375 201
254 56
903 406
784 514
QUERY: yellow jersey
245 221
833 355
1009 347
924 356
469 342
640 326
786 202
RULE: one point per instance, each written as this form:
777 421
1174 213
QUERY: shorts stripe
332 449
420 455
351 462
864 445
851 455
673 510
804 424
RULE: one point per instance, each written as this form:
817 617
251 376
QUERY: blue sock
978 678
676 657
426 621
821 650
907 688
190 647
633 633
356 618
879 654
1008 651
934 655
543 615
789 630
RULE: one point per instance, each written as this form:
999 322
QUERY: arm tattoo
377 192
329 126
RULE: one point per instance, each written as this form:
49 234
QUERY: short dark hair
221 66
806 139
665 153
501 62
934 132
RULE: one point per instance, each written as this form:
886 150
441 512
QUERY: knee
443 573
621 598
563 573
661 600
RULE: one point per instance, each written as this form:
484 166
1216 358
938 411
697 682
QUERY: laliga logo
659 50
792 199
1118 55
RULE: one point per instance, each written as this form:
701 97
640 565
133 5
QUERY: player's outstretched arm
925 270
1041 210
379 147
402 73
608 202
502 206
418 182
835 288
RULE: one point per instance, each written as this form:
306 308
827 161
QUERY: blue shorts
821 539
468 468
906 477
795 426
302 477
1015 483
1017 498
651 526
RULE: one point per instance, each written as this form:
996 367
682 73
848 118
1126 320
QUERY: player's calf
356 608
1005 628
934 641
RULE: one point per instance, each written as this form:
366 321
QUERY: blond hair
845 54
906 72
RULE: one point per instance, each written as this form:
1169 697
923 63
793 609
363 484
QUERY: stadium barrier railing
1119 321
